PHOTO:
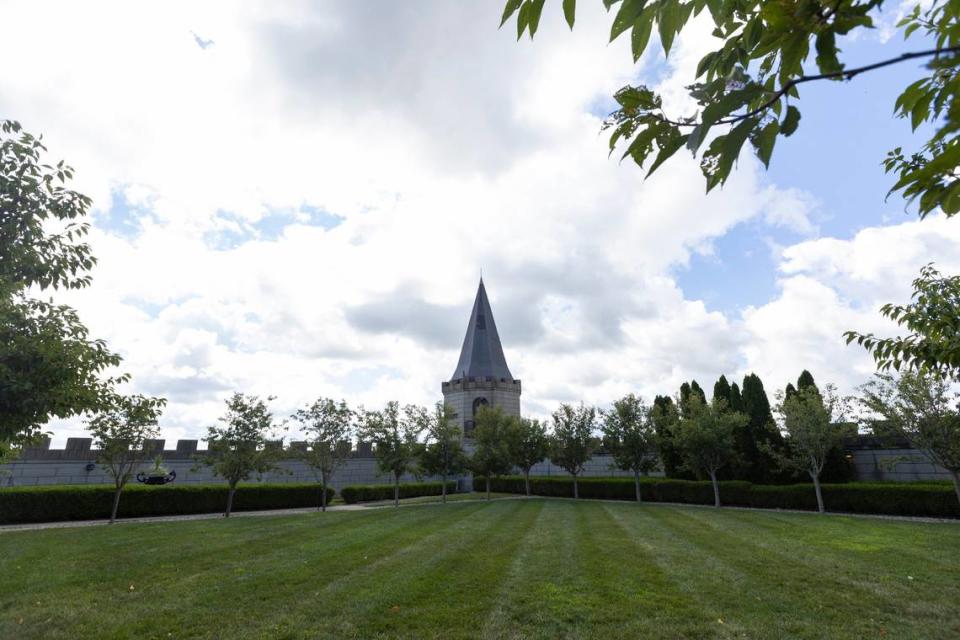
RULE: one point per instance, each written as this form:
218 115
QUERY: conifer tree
736 400
721 390
758 434
695 388
789 391
664 415
805 381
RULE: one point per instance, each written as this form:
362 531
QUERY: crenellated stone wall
76 463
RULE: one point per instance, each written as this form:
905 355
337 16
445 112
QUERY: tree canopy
239 448
49 365
748 87
933 322
329 426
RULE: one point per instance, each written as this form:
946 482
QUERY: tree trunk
576 488
233 490
323 496
116 505
716 488
636 482
396 490
488 487
443 490
526 480
816 486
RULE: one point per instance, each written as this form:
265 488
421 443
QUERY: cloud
304 208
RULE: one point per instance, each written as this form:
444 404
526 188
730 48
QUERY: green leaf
791 121
764 140
509 9
827 61
569 11
522 18
667 24
629 11
666 150
640 36
533 18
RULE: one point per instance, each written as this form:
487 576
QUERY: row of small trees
702 437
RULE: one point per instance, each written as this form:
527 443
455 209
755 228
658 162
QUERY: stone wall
76 463
892 460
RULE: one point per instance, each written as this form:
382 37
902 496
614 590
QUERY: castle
482 376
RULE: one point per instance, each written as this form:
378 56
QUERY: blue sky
846 130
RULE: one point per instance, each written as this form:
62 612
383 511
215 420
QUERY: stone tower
482 376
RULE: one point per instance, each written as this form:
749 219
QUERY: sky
297 200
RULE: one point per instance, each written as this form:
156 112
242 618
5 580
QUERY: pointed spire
482 355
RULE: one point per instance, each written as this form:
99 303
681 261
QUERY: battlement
82 449
479 383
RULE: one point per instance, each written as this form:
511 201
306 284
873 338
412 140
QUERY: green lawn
504 569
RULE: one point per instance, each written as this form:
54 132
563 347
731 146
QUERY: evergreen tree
664 415
721 390
758 435
684 396
736 400
789 391
695 388
805 381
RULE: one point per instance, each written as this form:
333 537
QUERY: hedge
89 502
372 492
932 499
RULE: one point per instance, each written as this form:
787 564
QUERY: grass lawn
505 569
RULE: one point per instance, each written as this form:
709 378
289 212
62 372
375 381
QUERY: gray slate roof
482 354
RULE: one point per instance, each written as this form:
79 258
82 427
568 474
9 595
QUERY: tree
665 414
933 320
491 437
815 428
736 400
922 407
239 448
790 390
722 390
395 437
573 442
806 381
442 455
527 444
49 366
120 432
748 86
630 436
328 426
758 437
707 437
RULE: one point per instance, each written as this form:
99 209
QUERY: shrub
372 492
934 499
88 502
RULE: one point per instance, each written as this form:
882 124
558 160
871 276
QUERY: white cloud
445 147
829 286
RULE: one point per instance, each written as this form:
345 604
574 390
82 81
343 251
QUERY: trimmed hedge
373 492
936 500
89 502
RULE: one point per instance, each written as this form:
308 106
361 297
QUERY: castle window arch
477 403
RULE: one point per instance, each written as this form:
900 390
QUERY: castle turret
482 376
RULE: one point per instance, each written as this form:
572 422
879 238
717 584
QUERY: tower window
477 403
